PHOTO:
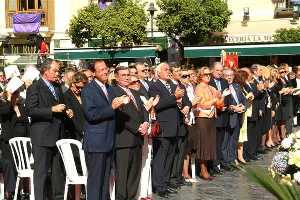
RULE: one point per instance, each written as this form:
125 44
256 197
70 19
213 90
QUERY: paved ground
230 186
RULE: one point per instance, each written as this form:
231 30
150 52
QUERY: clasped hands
143 129
59 108
240 108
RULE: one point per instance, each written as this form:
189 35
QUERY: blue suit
229 146
98 139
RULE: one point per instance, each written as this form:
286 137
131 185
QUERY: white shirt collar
100 83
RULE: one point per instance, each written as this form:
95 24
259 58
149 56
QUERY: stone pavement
230 186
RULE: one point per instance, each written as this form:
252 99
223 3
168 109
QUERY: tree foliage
191 21
123 23
287 35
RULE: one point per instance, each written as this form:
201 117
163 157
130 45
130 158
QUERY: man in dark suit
168 116
176 172
237 104
99 104
222 116
253 126
142 75
47 111
131 125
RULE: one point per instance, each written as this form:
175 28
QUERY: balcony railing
9 17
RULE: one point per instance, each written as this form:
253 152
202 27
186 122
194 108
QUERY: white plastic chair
72 176
23 160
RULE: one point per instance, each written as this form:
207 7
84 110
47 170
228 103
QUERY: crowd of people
145 123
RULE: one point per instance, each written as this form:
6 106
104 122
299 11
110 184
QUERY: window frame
10 13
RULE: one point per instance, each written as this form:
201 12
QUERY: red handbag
155 128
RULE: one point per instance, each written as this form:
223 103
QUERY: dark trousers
164 152
8 167
98 167
128 172
229 146
253 135
44 159
176 172
220 133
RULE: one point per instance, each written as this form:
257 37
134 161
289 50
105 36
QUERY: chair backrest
66 152
21 149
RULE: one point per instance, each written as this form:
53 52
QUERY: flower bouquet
286 162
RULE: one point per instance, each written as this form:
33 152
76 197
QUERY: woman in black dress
14 123
73 101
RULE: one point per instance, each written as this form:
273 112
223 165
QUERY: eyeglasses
185 76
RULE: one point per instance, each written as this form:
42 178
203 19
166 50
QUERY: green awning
243 50
99 53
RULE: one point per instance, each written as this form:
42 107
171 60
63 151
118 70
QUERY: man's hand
117 102
58 108
70 113
185 110
143 129
179 93
155 101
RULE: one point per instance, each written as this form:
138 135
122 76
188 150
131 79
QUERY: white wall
261 14
2 15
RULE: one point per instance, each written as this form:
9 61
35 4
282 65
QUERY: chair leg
85 186
17 188
31 189
66 191
77 191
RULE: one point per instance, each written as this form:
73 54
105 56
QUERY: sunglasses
145 70
282 72
207 74
185 76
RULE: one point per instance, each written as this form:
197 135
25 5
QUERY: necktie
218 84
103 87
51 88
168 86
129 93
233 93
145 85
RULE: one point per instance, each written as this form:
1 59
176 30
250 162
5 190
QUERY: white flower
297 177
287 143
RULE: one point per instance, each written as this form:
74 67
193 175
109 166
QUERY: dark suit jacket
99 130
143 91
46 127
235 118
167 112
222 116
11 125
186 102
128 121
258 95
74 125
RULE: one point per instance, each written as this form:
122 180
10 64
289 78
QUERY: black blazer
11 125
128 120
167 112
235 119
74 126
143 91
185 102
222 116
256 101
46 127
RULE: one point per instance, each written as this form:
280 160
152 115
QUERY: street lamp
151 10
